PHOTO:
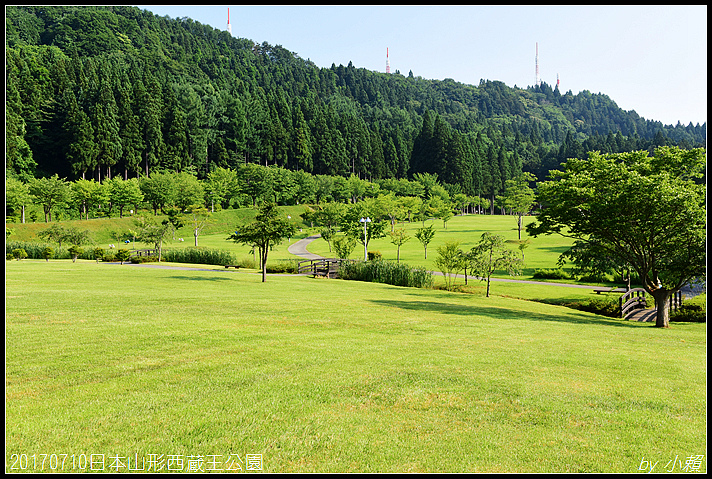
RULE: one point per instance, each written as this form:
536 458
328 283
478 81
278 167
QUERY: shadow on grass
500 313
200 278
553 249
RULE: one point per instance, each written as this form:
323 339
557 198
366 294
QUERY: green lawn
541 252
324 375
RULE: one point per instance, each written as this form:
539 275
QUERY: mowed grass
336 376
541 252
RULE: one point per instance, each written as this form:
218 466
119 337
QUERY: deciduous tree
491 254
268 230
644 211
518 197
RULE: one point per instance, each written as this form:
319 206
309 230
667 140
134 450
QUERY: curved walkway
300 248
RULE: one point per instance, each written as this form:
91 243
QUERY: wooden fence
328 267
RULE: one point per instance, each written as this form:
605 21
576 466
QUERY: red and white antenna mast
557 80
536 64
229 27
388 62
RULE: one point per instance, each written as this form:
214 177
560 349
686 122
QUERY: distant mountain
93 91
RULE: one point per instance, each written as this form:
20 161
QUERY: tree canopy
101 91
268 230
643 211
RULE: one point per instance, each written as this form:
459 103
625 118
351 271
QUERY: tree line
54 198
174 95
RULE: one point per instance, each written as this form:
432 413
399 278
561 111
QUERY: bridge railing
635 299
631 301
328 267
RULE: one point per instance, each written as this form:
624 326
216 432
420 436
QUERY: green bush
691 311
19 253
284 266
607 306
594 278
35 250
374 256
248 263
551 274
379 271
123 255
47 253
144 259
198 255
75 251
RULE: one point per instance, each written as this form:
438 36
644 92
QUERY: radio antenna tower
557 80
536 64
388 62
229 27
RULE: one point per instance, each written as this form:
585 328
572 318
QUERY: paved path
300 248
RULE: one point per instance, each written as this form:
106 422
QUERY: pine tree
82 151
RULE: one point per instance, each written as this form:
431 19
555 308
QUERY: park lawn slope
337 376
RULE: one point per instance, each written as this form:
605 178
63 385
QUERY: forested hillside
96 92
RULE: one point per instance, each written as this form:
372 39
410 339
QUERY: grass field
334 376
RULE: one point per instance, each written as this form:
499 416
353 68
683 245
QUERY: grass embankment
336 376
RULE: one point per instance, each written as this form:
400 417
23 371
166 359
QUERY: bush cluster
691 311
144 259
557 273
397 274
285 266
606 306
36 250
198 256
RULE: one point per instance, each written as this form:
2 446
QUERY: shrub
9 257
248 263
285 266
144 259
551 274
691 311
19 254
603 306
48 252
198 256
387 272
123 255
374 256
75 251
594 278
35 250
98 254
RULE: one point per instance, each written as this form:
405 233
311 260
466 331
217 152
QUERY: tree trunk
519 225
263 260
662 303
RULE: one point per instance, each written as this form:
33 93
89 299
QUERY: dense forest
96 92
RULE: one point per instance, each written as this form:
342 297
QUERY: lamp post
365 238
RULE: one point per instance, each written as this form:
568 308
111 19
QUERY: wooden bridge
633 305
328 267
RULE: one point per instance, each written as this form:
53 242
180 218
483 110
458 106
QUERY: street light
365 240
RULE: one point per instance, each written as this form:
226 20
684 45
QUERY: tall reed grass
198 256
388 272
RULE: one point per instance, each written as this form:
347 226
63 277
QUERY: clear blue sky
651 59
